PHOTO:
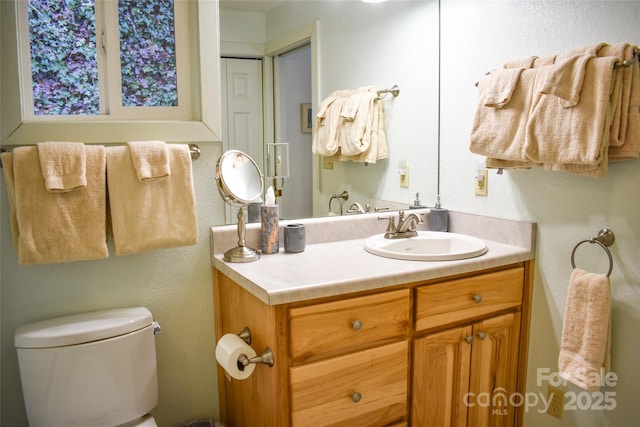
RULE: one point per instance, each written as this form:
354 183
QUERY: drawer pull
482 335
469 339
477 298
356 325
355 397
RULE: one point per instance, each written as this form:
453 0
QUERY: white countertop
343 266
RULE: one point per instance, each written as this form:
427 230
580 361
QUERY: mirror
239 182
352 44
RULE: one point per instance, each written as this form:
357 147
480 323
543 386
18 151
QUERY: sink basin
427 246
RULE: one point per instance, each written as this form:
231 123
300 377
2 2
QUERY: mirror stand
241 253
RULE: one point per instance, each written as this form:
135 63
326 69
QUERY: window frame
204 123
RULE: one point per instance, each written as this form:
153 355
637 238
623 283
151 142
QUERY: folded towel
565 79
586 337
497 90
147 216
64 226
630 149
325 132
621 91
375 139
357 115
592 49
63 165
7 166
578 135
500 132
150 159
520 62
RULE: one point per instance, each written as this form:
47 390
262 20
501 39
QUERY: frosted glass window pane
147 53
64 64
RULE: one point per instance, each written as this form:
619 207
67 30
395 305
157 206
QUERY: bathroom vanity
363 340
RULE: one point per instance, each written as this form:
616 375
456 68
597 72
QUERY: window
96 57
106 86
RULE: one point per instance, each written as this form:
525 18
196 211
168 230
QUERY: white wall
175 284
477 37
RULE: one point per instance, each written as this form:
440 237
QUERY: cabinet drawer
351 322
457 300
365 388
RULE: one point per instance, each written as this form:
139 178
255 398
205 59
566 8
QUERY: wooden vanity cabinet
401 356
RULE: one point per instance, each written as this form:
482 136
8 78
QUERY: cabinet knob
469 339
482 335
477 298
356 325
355 397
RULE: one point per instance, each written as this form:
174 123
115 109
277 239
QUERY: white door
242 115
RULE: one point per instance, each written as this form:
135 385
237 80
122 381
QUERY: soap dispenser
438 217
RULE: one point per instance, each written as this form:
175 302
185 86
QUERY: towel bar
193 149
604 239
394 90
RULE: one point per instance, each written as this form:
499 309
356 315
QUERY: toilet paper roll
228 350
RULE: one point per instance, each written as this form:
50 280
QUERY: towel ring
604 239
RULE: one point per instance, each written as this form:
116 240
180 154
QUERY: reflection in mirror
239 182
350 44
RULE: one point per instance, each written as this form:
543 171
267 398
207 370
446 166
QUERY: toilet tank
91 369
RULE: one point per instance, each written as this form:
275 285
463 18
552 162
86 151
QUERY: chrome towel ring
604 239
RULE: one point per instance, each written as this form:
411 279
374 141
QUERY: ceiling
250 5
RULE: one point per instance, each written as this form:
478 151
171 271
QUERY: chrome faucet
406 226
357 208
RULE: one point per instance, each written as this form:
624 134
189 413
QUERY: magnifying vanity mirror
239 182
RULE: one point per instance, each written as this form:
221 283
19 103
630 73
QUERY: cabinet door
494 365
441 378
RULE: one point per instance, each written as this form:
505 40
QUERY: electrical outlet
555 399
482 185
404 178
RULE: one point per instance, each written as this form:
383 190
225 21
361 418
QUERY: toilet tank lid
82 328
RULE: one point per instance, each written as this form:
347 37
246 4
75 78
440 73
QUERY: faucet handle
391 226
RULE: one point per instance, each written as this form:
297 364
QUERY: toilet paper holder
266 357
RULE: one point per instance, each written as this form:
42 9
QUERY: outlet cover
555 399
482 186
404 179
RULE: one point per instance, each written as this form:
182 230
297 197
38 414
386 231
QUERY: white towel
325 132
586 331
350 126
63 164
150 160
62 226
147 216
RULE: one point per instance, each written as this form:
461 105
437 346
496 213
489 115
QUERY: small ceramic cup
294 237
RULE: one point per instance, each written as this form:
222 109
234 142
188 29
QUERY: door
292 80
494 365
466 376
441 378
242 112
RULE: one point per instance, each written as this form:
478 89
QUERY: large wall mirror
301 51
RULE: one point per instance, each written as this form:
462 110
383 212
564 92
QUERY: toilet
92 369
